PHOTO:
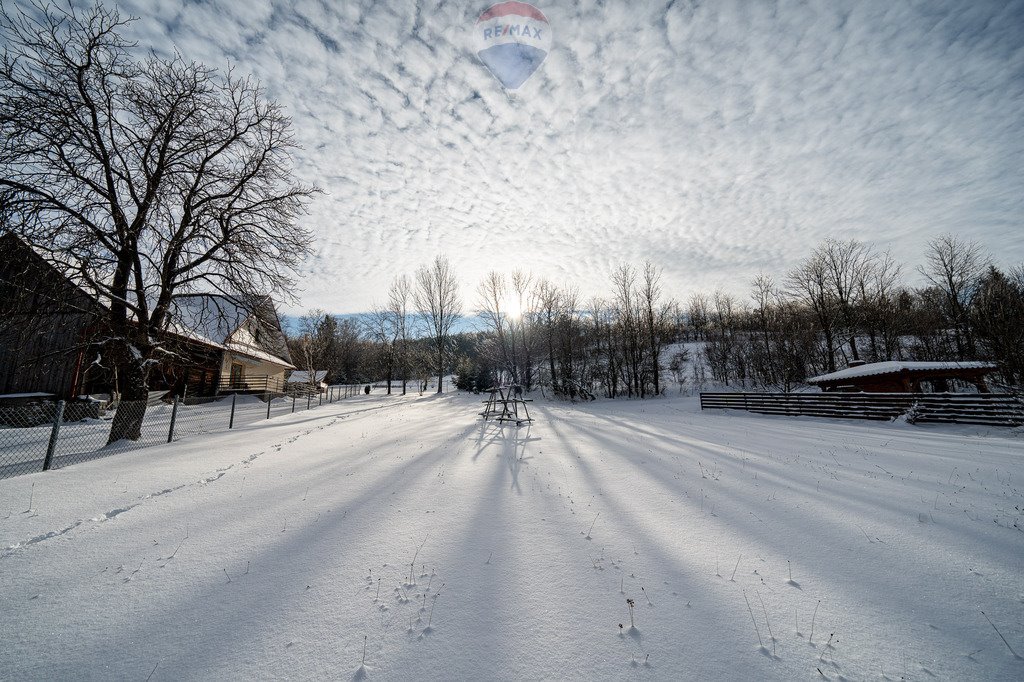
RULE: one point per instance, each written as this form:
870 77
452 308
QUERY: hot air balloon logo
512 39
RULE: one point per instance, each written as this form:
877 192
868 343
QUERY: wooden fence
990 409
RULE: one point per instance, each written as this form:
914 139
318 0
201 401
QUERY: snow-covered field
752 548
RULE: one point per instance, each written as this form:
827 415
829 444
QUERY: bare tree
763 293
388 328
382 332
577 359
628 323
492 294
845 264
522 340
347 360
607 345
436 296
547 300
143 180
399 296
954 267
809 283
309 347
997 312
657 316
697 315
882 306
723 348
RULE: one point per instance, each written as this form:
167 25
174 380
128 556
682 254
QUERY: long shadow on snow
497 605
534 554
675 573
866 590
733 456
218 602
855 488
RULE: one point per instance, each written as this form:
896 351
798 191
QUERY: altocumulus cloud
717 139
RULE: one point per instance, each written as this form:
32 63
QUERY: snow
259 552
893 367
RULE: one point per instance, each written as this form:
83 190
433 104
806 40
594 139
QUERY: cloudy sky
716 139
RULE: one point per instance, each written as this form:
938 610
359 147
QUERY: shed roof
897 367
302 376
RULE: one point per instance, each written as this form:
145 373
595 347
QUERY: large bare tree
143 179
437 299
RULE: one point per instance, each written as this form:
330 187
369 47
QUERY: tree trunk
657 368
554 376
440 368
127 423
830 351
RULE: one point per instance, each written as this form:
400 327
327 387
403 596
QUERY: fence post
309 400
321 397
174 417
270 400
293 404
54 434
231 421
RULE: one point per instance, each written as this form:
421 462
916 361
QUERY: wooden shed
905 377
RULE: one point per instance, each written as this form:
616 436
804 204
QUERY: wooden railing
991 409
258 383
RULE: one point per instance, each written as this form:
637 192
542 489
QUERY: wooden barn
46 322
906 377
49 328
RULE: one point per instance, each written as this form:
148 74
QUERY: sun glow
513 309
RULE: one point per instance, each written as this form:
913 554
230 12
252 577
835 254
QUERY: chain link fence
49 435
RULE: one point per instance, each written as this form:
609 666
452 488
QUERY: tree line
408 338
846 301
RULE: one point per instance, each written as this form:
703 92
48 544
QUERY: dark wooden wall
45 322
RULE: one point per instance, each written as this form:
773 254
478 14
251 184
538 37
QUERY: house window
237 374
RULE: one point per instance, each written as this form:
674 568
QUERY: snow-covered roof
302 376
895 367
209 319
217 320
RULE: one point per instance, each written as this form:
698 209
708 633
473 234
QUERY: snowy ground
274 550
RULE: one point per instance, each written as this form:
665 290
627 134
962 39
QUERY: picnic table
504 403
